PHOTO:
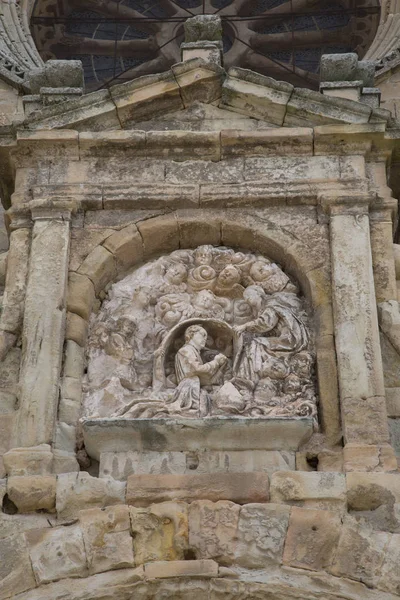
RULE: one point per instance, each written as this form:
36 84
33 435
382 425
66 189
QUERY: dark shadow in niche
9 507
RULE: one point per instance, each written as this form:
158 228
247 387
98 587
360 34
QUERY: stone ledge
215 433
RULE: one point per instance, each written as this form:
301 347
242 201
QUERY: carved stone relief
198 333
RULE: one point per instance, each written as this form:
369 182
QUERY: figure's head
260 270
292 384
301 364
197 335
176 273
203 255
229 276
254 295
204 299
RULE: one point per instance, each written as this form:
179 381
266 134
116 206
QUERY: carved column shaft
361 383
43 328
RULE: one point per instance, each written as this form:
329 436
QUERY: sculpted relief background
197 333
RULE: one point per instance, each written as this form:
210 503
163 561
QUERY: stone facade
199 341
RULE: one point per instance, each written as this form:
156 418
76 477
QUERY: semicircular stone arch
134 245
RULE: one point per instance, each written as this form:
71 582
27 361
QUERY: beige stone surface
43 332
360 553
213 530
15 568
160 532
57 553
78 491
181 568
76 329
100 267
261 535
127 247
143 490
83 241
80 295
159 234
365 420
36 460
312 538
389 579
107 538
369 458
368 491
73 360
15 287
32 493
311 490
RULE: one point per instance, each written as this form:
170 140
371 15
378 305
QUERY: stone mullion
44 327
363 408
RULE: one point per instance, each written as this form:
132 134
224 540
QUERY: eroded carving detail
197 333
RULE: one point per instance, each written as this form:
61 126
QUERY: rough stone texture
15 567
36 460
213 530
311 490
181 568
360 553
160 532
57 553
261 535
99 267
312 538
34 493
368 491
78 491
107 539
80 295
44 322
241 488
120 465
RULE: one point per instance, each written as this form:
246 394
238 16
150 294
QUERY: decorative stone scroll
201 333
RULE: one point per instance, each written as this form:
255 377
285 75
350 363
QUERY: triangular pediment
195 92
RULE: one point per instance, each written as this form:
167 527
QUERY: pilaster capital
354 204
23 215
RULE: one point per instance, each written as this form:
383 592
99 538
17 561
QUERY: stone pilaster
362 393
44 324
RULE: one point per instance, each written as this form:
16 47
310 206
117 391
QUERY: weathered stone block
312 538
160 532
74 360
16 574
369 458
181 568
127 247
261 535
242 488
368 491
57 553
159 234
76 329
389 579
80 295
360 553
311 490
32 493
77 491
35 460
256 95
181 145
106 534
213 530
65 437
100 267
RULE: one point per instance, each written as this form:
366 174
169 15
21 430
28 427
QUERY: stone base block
214 433
369 458
119 465
36 460
241 488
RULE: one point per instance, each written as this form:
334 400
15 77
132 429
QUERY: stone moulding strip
168 196
356 139
214 433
